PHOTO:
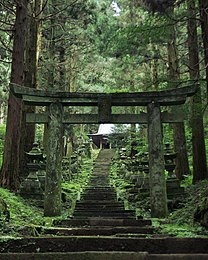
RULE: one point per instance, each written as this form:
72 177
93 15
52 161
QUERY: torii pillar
52 201
158 193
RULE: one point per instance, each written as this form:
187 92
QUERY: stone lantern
145 163
31 186
173 184
169 157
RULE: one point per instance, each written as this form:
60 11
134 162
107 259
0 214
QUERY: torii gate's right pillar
158 193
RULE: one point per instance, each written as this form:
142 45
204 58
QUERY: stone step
97 190
177 256
98 207
100 181
102 195
75 256
100 190
96 179
103 216
104 243
99 202
104 211
98 197
105 222
99 231
90 255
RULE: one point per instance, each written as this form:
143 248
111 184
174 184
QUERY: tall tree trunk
10 167
203 7
182 165
32 51
62 80
198 142
52 49
155 68
51 66
31 63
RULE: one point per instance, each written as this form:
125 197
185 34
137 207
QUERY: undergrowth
25 218
191 219
21 213
195 201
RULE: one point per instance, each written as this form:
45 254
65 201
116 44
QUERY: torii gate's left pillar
52 202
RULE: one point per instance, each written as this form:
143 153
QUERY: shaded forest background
104 46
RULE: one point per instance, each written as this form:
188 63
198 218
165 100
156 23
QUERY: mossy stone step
106 243
105 222
99 191
103 215
104 211
99 231
99 197
76 256
100 202
99 207
90 255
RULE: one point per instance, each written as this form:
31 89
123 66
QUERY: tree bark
198 142
32 51
51 65
10 167
30 81
203 7
182 165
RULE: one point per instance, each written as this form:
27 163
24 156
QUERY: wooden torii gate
56 117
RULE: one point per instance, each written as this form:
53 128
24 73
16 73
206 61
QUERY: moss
21 213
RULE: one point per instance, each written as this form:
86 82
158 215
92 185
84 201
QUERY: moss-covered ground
21 217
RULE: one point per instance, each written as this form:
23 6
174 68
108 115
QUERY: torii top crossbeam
168 97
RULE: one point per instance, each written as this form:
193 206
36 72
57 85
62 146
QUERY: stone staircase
102 229
99 213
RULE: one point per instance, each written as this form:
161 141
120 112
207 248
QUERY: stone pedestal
31 186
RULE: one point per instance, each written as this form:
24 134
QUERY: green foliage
194 202
188 180
2 131
176 230
22 213
39 131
